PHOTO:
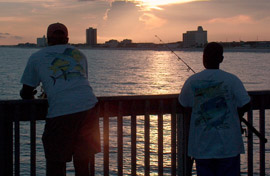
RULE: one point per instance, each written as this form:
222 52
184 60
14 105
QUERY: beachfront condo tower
195 38
91 36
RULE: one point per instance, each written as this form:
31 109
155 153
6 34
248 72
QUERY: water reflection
139 146
140 72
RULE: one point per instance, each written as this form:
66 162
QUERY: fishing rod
262 137
250 126
189 68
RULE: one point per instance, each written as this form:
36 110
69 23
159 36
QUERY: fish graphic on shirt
59 65
66 77
213 113
66 65
211 107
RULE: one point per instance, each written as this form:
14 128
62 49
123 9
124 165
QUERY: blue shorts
218 167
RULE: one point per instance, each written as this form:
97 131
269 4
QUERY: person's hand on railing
28 92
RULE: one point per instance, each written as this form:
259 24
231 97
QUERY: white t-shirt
214 96
63 72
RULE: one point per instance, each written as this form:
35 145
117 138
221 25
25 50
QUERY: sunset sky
140 20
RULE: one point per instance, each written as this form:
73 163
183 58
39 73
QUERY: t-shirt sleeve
240 93
30 75
185 97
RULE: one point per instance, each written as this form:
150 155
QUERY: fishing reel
244 131
42 94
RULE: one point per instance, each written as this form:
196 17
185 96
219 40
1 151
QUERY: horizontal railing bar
41 105
265 93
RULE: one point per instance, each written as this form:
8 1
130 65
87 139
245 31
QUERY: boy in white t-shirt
72 126
217 98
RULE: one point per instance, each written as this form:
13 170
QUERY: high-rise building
91 36
41 42
195 38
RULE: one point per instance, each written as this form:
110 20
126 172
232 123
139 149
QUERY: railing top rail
101 98
134 105
131 97
259 92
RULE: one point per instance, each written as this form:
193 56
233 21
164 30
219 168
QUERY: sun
156 4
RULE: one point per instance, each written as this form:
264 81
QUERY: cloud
5 35
12 19
233 20
151 21
129 16
17 37
122 17
26 1
138 20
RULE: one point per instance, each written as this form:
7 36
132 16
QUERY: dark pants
218 167
73 136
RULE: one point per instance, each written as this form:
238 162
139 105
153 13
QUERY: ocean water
136 72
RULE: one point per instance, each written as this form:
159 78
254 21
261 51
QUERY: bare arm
27 92
243 109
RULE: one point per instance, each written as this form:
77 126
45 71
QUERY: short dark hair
213 51
58 37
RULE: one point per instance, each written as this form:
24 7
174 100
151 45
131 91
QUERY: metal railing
12 112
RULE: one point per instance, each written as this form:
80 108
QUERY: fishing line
179 58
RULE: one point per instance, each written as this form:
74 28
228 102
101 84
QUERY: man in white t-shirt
217 98
72 125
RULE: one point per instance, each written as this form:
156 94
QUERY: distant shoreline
240 49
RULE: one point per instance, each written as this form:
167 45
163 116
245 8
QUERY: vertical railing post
250 145
160 139
187 160
147 139
17 139
6 142
106 140
262 144
120 139
133 140
33 140
173 138
92 164
180 145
